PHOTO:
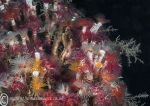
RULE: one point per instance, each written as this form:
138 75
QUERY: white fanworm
56 6
37 56
63 89
21 63
84 29
2 7
89 76
95 27
78 76
13 23
102 54
24 41
21 79
114 85
95 52
90 56
12 42
46 5
7 1
73 18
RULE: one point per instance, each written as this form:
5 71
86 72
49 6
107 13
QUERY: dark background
132 19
